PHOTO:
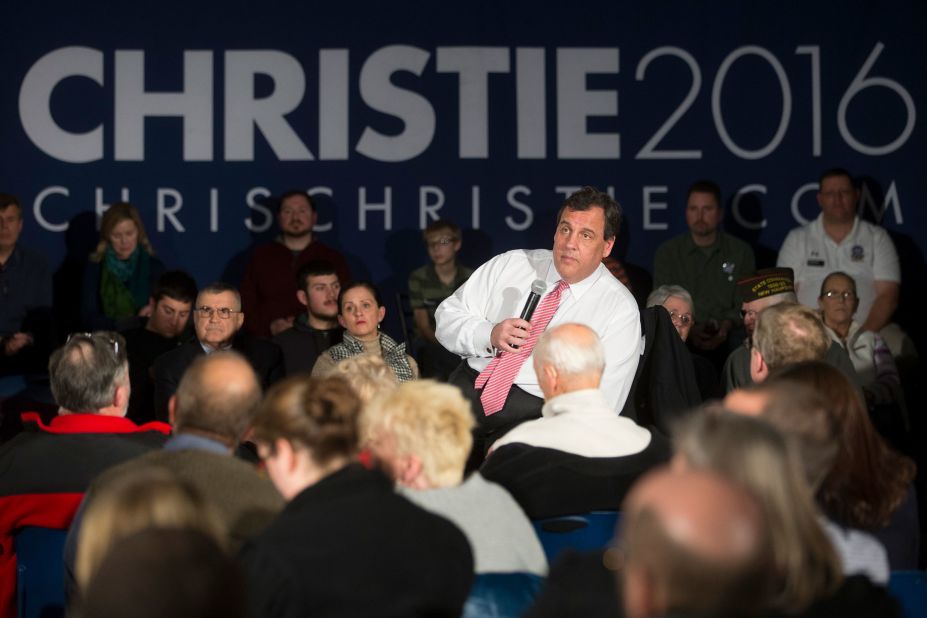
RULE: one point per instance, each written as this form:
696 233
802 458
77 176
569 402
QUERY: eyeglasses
207 312
91 336
682 318
441 242
831 294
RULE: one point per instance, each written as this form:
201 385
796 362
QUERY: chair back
39 572
501 595
910 588
584 532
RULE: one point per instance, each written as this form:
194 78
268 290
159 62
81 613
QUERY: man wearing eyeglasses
839 240
760 291
217 320
45 469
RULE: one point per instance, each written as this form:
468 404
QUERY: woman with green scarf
121 273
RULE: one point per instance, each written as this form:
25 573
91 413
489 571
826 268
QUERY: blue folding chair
39 572
501 595
585 532
910 588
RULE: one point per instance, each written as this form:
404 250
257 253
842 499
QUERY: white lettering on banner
244 112
651 205
39 202
529 214
133 104
473 65
101 205
255 206
168 204
577 105
321 227
735 207
428 210
386 206
411 108
35 104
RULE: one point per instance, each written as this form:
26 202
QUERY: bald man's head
218 395
567 358
695 543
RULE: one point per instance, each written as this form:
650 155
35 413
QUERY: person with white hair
580 455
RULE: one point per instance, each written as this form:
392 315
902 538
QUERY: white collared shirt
498 289
867 254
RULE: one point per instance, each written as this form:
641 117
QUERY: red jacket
45 470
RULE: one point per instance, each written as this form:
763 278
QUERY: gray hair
659 295
220 287
85 371
569 354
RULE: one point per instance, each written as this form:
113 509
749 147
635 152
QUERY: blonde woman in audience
367 374
753 453
153 497
421 434
360 312
345 544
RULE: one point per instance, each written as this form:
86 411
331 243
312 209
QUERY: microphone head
539 287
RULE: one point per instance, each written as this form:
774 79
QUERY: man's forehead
592 218
296 202
11 209
702 198
223 299
322 279
837 181
181 305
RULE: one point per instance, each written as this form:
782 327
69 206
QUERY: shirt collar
187 441
582 401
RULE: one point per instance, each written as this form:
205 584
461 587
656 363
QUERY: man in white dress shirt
479 321
839 240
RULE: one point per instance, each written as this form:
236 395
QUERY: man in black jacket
217 319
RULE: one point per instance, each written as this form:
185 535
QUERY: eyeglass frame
845 295
224 313
684 318
97 335
441 242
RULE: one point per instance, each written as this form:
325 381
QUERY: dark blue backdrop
490 107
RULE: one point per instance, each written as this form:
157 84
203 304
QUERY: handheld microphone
537 290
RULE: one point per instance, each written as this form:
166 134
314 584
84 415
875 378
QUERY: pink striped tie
500 373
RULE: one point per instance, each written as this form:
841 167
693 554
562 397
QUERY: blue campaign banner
485 113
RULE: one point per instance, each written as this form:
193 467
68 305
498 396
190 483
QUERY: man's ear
410 473
172 409
302 298
552 375
121 398
758 368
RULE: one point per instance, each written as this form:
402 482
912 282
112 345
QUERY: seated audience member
150 497
121 273
345 544
806 570
840 240
420 435
428 286
707 262
176 572
809 423
367 374
172 302
869 487
211 411
869 354
45 470
217 320
785 334
579 456
316 329
25 297
694 544
268 289
677 301
764 289
360 312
